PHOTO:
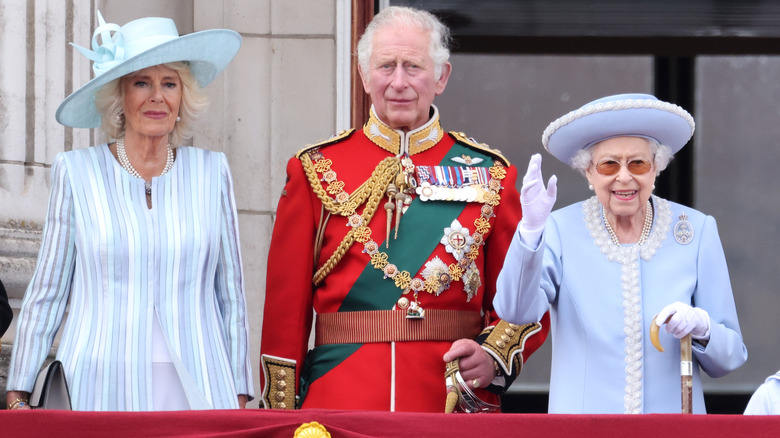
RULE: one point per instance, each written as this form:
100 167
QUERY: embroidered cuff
279 390
505 342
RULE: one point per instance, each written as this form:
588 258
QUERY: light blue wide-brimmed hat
139 44
633 115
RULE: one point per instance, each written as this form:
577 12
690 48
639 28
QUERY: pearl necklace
645 228
125 162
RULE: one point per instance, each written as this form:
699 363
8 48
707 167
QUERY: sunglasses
612 167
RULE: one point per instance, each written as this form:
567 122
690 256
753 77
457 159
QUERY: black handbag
51 389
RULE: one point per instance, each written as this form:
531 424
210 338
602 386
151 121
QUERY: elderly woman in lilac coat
610 265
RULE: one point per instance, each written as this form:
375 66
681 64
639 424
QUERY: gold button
505 338
514 326
281 374
510 332
500 344
281 385
282 405
280 395
403 303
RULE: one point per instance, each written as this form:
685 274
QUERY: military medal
448 183
413 308
415 311
457 240
471 281
426 191
437 276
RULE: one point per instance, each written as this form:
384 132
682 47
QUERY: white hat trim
615 106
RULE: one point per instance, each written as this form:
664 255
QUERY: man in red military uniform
394 236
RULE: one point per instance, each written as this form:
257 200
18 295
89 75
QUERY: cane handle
654 329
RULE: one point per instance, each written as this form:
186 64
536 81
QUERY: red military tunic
328 256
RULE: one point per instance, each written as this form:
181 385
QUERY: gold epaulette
461 137
279 391
506 343
335 139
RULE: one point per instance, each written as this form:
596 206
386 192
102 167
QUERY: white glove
537 202
685 319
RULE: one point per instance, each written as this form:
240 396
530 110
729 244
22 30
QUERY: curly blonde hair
109 100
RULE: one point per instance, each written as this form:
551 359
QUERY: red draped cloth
363 424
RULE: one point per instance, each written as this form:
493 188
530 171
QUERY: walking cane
686 365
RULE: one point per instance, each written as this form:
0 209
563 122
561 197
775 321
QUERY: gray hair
194 102
404 16
662 155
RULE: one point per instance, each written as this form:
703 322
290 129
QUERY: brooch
683 230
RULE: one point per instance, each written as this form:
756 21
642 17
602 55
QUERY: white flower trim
628 257
615 106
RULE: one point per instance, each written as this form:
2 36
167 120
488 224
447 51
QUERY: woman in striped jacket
141 238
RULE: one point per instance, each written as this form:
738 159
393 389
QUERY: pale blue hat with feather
139 44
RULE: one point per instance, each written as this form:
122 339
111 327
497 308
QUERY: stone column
279 94
37 71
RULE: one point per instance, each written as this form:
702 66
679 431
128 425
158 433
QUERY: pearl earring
590 186
178 119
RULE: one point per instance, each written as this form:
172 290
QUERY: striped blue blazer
117 263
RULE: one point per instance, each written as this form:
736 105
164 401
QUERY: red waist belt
393 326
